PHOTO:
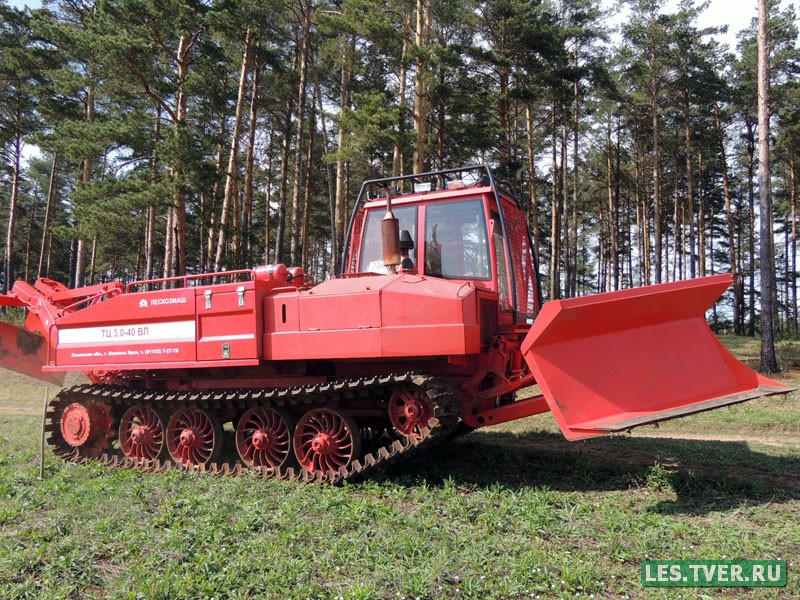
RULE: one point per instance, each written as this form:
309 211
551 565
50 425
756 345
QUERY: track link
440 427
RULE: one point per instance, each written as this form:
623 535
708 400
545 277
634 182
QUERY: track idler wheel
194 437
86 426
141 433
264 437
410 411
326 440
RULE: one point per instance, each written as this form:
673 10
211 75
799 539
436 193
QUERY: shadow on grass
705 475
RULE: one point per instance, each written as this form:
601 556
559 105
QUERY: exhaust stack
390 236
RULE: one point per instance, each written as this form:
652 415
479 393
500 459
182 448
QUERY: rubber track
440 427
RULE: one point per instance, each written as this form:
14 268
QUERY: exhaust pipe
390 236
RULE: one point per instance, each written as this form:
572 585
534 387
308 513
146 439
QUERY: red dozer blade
618 360
24 351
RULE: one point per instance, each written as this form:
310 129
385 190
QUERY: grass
748 350
509 512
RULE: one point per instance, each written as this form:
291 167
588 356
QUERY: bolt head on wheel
188 438
322 444
261 440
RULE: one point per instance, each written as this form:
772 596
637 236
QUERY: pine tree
769 361
20 73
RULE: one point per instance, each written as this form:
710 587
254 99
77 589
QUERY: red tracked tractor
433 326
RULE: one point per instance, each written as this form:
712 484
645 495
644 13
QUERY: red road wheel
264 437
194 437
141 433
410 411
86 425
326 440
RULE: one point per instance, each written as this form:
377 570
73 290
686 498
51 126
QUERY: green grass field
510 512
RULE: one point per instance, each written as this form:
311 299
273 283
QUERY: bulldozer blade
25 352
618 360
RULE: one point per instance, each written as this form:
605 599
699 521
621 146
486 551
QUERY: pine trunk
751 241
613 211
397 154
280 231
93 261
150 243
84 177
555 225
566 259
422 41
676 236
329 172
689 187
150 219
657 214
441 122
210 207
726 188
348 50
769 360
29 243
787 309
51 196
177 265
246 220
169 244
534 213
576 121
296 254
503 142
701 222
268 196
793 276
231 198
307 188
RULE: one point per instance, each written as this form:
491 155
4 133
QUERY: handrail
115 291
186 278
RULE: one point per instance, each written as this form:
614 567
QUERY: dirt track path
19 410
771 439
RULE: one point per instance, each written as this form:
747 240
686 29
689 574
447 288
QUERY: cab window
371 256
500 253
456 244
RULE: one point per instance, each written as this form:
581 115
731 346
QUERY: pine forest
144 139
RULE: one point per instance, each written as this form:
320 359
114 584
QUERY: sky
736 14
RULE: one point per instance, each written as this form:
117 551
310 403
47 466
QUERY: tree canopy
180 136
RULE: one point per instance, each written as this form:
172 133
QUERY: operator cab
455 245
472 233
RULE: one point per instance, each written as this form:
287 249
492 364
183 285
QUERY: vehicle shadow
705 475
